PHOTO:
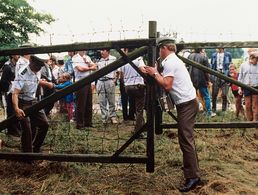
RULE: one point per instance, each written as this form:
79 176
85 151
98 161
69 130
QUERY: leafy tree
17 20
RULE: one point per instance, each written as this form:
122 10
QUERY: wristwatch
155 74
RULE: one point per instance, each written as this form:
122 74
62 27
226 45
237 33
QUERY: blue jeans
206 96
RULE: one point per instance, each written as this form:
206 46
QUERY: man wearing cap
176 80
248 75
220 62
23 96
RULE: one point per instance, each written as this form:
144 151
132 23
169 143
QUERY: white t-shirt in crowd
182 87
78 60
131 76
104 62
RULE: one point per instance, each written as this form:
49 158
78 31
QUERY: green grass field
228 161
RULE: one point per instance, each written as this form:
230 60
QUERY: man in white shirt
83 66
106 89
176 80
135 88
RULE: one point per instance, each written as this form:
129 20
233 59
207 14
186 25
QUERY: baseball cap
165 41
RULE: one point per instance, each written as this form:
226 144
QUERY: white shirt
248 74
78 60
104 62
26 81
131 76
21 64
220 60
182 88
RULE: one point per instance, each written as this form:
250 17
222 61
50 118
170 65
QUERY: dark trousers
138 92
125 99
186 114
14 128
84 107
49 107
216 85
34 128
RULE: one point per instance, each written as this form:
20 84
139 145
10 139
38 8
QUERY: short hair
170 47
198 50
66 75
107 49
232 65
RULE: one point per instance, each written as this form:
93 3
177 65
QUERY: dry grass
228 162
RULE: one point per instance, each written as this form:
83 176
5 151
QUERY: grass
228 162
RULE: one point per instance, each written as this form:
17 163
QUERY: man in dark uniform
23 96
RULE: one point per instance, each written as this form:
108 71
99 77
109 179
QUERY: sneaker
213 114
114 121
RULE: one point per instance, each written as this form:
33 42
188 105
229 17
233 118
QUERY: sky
188 20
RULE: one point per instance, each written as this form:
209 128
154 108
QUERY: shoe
88 125
190 184
80 127
213 114
14 134
114 121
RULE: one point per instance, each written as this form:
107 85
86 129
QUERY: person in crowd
235 89
68 66
176 80
64 81
83 65
220 62
23 96
200 78
54 67
47 74
7 78
248 75
135 88
106 89
128 114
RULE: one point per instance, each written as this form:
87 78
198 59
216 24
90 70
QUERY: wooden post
150 97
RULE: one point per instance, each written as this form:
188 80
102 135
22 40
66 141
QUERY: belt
105 79
27 101
188 102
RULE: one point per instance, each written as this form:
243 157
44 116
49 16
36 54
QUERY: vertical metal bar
151 100
158 114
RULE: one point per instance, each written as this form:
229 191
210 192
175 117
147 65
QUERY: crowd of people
29 78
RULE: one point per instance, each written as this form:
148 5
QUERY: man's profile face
162 52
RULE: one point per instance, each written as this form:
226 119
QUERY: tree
17 20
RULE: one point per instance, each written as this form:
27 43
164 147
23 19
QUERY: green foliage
17 20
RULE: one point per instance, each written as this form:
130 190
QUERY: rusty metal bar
133 43
218 125
73 157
